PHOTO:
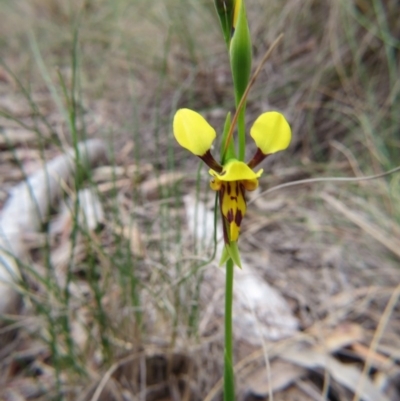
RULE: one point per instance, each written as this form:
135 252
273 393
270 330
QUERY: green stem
229 382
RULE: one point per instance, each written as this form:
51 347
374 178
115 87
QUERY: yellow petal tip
193 132
271 132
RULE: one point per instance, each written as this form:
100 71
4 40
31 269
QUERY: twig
324 179
109 373
392 244
377 338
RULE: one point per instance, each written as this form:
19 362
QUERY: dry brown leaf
110 186
371 229
115 173
150 188
345 334
377 360
132 233
10 174
123 154
61 258
26 388
90 214
392 350
79 331
283 374
345 374
310 390
135 237
17 106
11 137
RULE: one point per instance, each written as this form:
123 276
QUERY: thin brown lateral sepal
211 162
257 159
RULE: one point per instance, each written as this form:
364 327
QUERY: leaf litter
298 283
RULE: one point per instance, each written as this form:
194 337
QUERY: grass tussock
114 305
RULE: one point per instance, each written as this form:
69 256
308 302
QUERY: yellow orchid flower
271 133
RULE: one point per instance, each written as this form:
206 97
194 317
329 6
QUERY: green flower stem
229 382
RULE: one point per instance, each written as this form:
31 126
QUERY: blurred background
126 305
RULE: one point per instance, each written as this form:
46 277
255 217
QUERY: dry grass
125 318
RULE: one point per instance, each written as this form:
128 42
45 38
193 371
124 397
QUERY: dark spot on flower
238 217
229 215
229 188
234 198
222 191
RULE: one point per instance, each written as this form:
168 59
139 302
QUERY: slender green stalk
229 382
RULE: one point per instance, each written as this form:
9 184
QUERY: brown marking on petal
211 162
221 193
228 187
257 159
234 198
238 218
229 215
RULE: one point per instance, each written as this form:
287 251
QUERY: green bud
225 10
240 52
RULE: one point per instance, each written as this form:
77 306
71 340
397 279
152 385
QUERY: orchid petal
193 132
271 132
235 170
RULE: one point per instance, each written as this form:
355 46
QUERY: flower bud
225 10
240 50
